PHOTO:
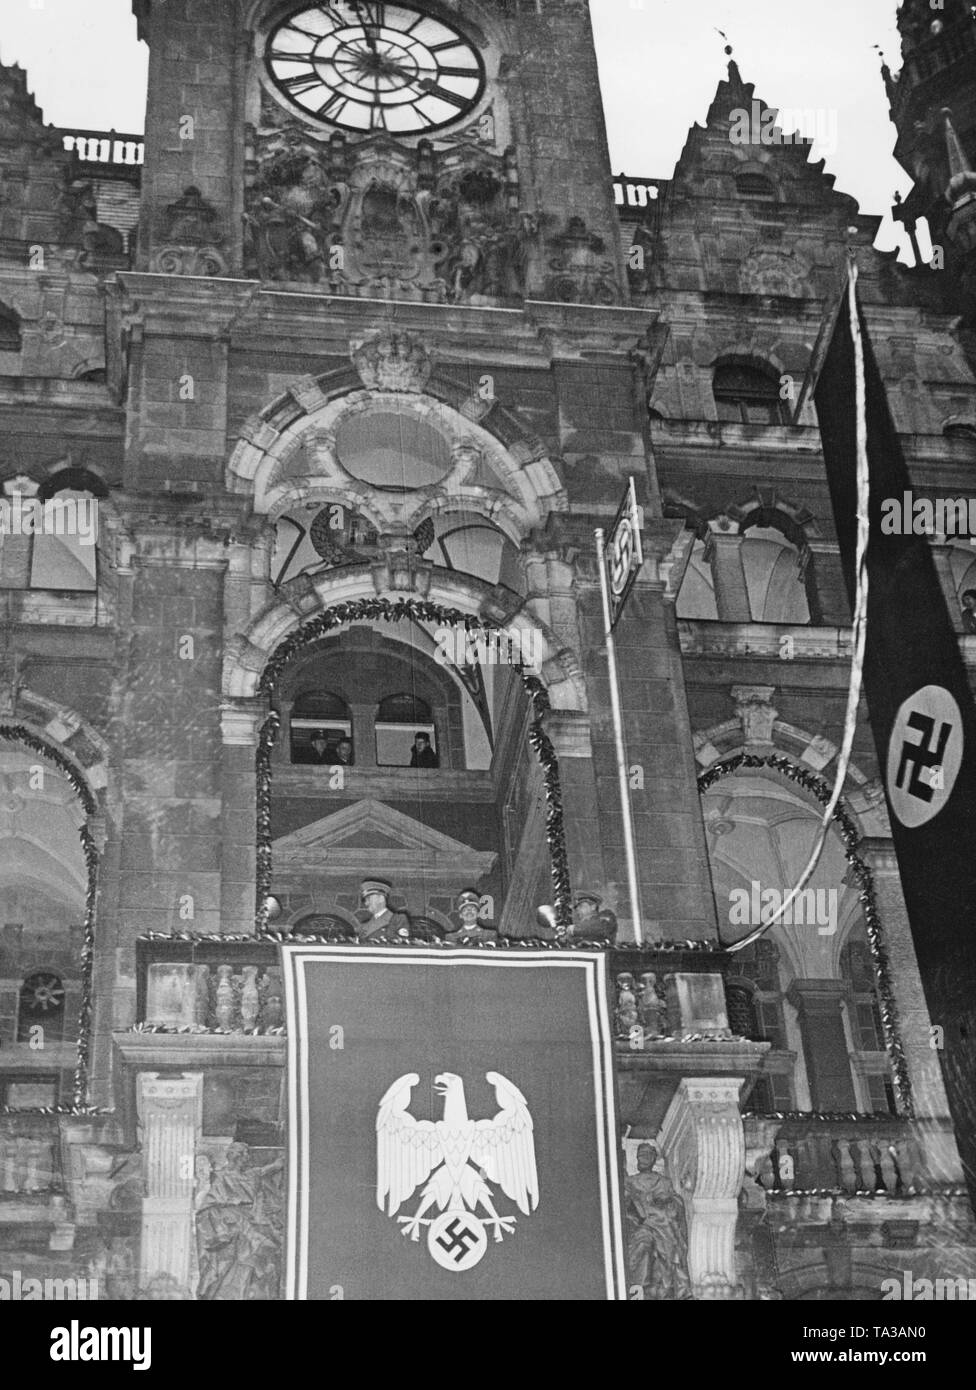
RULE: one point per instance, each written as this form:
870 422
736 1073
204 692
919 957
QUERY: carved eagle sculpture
456 1158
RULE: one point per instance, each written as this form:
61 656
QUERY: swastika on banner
924 755
457 1240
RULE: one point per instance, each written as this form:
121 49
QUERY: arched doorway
483 812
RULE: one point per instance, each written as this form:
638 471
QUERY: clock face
370 66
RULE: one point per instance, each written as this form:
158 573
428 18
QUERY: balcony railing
106 147
867 1154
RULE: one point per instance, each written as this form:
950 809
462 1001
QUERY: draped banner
452 1125
920 706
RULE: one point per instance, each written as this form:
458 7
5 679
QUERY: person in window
969 610
322 749
342 752
422 755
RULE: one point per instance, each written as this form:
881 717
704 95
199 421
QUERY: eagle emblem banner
452 1125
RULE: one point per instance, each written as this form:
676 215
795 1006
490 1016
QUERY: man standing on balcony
376 921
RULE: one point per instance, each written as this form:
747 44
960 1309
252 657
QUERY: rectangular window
396 744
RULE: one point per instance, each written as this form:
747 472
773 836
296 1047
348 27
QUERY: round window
390 449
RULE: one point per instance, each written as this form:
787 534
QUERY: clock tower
453 153
381 287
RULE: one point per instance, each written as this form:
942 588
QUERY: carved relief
191 238
581 269
773 272
372 219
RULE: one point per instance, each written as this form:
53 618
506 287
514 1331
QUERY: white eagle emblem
456 1159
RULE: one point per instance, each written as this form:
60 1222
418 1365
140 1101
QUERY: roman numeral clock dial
367 66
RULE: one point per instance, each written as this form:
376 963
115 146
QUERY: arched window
469 544
10 339
63 545
748 395
41 1004
321 729
771 565
405 733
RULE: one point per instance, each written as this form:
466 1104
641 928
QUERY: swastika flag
921 712
452 1131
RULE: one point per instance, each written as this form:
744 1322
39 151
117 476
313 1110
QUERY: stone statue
626 1016
651 1006
289 221
657 1236
239 1224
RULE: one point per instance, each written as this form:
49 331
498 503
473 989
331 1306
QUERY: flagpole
618 735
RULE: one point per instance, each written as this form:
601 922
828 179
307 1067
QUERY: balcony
106 151
854 1155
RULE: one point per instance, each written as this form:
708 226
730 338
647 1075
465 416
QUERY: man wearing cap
374 917
589 922
472 928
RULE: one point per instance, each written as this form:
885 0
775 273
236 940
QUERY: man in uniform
472 928
376 921
589 922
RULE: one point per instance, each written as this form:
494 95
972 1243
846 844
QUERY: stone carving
753 705
581 269
657 1237
375 219
773 272
626 1016
191 238
392 362
651 1006
239 1229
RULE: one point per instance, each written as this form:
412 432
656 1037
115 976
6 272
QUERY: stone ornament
392 362
657 1232
371 219
581 270
191 238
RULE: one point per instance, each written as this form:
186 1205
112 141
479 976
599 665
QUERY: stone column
724 554
239 725
703 1141
170 1110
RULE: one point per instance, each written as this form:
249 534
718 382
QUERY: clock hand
367 30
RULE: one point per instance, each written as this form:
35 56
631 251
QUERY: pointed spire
962 181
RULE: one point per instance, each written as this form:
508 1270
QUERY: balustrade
876 1156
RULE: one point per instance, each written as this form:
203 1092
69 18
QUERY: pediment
370 834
